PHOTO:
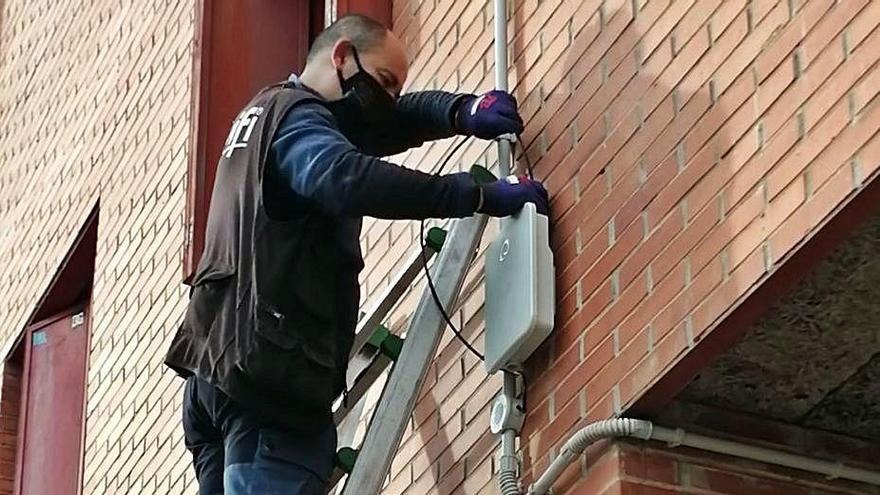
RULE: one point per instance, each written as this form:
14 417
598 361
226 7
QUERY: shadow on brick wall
630 136
631 144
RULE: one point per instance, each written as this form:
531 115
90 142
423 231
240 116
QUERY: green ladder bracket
435 238
345 459
387 343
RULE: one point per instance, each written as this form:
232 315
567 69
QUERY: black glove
505 197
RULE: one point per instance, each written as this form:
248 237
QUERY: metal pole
508 473
504 161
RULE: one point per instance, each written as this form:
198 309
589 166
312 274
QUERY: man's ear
340 53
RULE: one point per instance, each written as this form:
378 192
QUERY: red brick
728 294
648 250
569 332
829 27
664 354
593 250
599 409
636 488
629 299
646 465
789 37
823 202
686 239
733 484
614 489
664 292
567 415
869 156
604 267
728 229
864 24
601 473
656 184
703 284
694 172
790 233
569 77
594 361
608 376
542 385
840 150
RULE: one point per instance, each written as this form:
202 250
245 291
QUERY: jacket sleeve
423 116
319 165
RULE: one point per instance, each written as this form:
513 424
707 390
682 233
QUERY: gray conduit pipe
575 446
615 428
508 478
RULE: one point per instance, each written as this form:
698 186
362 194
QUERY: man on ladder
265 341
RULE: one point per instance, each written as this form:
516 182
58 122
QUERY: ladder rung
335 476
364 381
390 296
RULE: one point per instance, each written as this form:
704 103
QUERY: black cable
439 303
424 257
526 156
431 286
451 153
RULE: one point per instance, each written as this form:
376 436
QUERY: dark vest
265 322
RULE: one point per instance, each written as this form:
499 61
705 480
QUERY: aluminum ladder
375 348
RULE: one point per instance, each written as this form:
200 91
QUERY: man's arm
422 116
321 166
429 115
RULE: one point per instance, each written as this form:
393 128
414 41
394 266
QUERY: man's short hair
364 33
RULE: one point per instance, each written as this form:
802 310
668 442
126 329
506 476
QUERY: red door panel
241 46
51 435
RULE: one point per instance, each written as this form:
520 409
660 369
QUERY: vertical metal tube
501 78
508 472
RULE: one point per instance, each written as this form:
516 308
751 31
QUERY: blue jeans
237 452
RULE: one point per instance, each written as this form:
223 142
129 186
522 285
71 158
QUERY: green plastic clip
388 344
482 175
435 238
378 336
345 459
391 346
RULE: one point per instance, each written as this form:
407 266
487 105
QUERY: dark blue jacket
313 171
312 164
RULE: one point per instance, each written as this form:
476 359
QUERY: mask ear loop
357 59
357 62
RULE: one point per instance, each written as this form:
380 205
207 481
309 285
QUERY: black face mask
365 106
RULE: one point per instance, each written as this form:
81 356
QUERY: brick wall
94 105
637 469
10 410
689 147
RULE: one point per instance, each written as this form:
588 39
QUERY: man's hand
489 115
505 197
